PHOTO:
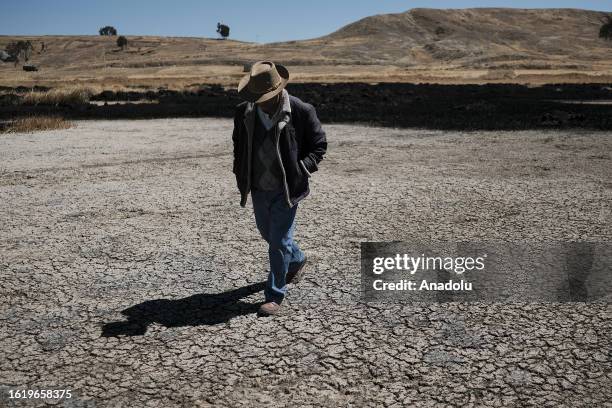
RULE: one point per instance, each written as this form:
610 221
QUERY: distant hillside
418 45
472 37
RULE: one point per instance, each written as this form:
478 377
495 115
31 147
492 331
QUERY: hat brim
243 88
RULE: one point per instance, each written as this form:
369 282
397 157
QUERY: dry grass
71 96
37 123
406 50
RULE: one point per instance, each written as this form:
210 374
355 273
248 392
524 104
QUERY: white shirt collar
280 115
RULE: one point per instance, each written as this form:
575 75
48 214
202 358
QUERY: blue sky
259 21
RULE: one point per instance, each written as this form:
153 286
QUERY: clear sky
249 20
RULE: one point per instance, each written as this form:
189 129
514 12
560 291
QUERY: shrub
74 96
605 31
20 49
122 42
37 123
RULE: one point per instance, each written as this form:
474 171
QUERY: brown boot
269 309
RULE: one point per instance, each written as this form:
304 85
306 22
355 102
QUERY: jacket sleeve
236 137
316 141
235 144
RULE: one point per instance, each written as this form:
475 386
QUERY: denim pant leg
261 208
297 255
276 223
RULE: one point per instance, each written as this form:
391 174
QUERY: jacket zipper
280 160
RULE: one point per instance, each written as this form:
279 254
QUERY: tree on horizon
223 30
108 30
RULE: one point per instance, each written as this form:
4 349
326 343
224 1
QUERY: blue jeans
276 222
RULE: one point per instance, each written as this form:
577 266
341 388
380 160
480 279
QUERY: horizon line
309 38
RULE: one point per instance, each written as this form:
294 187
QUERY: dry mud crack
130 274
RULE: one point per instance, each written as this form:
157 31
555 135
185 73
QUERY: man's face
270 105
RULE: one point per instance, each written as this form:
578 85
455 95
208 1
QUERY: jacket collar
282 117
250 109
285 100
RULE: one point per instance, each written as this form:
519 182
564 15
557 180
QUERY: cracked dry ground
130 274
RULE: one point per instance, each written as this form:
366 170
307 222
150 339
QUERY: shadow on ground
196 310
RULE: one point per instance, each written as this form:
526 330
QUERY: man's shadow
196 310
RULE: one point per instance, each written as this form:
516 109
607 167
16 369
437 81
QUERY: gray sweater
266 170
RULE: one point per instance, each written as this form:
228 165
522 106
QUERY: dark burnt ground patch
433 106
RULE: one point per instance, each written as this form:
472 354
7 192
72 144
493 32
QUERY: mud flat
131 273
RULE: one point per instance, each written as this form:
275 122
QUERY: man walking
278 144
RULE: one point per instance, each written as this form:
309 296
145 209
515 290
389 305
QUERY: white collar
281 114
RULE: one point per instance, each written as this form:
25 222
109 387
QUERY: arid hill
420 45
476 38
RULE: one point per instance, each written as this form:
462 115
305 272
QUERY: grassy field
471 46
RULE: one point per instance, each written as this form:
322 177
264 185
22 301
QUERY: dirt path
143 217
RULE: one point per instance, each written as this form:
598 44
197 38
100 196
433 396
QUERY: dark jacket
301 145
